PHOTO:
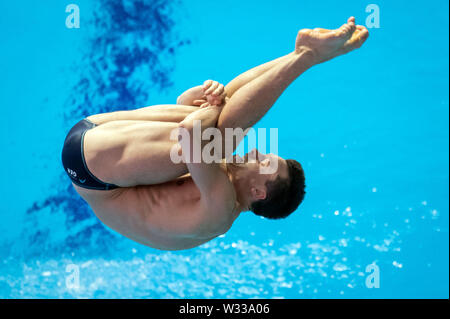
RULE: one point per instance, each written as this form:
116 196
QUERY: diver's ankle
307 56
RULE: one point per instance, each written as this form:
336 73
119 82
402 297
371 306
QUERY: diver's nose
251 155
260 155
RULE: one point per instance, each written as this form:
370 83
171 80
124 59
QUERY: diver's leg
159 113
250 102
129 153
244 78
131 148
177 112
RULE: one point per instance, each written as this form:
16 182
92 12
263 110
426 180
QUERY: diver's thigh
130 153
159 113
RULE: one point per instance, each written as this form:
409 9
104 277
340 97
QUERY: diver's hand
214 92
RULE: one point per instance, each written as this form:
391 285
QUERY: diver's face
255 170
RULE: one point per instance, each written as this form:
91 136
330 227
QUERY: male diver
120 162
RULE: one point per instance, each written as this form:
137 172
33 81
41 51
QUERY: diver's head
273 193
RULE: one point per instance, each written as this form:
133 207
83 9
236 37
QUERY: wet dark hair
284 195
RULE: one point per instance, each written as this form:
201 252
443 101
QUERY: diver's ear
258 193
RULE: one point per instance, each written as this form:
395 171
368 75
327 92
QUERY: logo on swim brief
72 173
82 180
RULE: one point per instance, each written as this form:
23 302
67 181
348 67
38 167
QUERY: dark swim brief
73 158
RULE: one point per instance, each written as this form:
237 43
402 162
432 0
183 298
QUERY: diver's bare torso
160 214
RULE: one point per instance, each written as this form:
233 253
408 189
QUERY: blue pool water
370 128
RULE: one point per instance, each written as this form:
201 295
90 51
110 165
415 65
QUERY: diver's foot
327 44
